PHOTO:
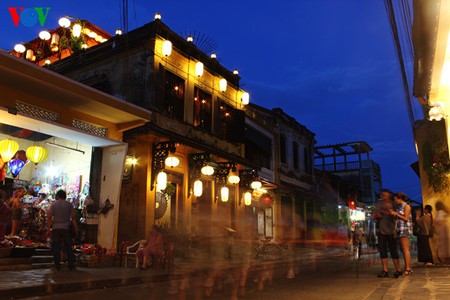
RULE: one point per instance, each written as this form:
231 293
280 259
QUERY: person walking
404 227
425 223
442 231
386 233
59 219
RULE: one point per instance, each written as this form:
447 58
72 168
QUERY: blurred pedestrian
16 205
442 231
61 216
404 228
387 233
425 223
5 214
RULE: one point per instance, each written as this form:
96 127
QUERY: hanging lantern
198 188
199 69
44 35
161 181
233 179
19 48
223 85
207 170
167 48
15 166
256 185
29 54
224 192
36 154
64 22
7 149
55 39
247 198
76 30
172 161
245 98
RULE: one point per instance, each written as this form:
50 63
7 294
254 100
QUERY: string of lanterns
16 159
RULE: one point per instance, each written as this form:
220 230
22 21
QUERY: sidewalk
40 282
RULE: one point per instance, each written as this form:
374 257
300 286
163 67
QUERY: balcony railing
349 166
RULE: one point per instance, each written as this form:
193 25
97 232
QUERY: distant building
351 162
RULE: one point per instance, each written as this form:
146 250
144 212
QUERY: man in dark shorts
61 214
386 233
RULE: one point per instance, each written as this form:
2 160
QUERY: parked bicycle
268 250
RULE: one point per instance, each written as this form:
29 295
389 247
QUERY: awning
25 82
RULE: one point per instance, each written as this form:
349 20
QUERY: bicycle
267 250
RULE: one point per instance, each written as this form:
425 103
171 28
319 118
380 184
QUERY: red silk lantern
2 174
21 155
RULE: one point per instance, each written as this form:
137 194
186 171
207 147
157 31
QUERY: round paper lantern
36 154
15 166
7 149
198 188
247 198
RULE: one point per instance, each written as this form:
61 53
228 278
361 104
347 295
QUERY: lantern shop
56 133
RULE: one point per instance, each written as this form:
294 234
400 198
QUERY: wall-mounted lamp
247 198
213 55
190 38
118 31
437 112
198 188
223 85
224 193
157 16
160 152
199 69
167 48
236 72
245 98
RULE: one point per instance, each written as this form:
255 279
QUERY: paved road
323 278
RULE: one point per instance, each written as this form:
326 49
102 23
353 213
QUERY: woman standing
425 222
404 228
16 210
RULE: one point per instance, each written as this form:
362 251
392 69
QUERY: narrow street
324 278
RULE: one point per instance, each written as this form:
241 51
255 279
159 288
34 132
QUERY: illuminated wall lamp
213 55
167 48
223 85
198 188
190 38
236 72
172 161
436 112
199 69
245 98
207 170
256 185
224 193
157 16
247 198
161 181
118 31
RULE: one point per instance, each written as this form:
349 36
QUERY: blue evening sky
330 64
